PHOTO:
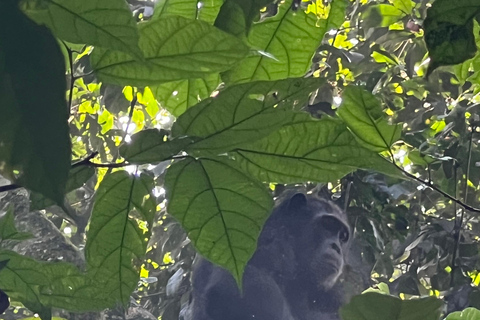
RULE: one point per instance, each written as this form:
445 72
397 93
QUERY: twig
459 221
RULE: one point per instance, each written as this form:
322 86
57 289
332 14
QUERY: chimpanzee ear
298 201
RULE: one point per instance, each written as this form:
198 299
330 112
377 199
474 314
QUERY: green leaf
376 306
306 149
106 23
285 45
172 52
406 6
467 314
178 96
151 146
190 9
8 231
243 113
76 178
449 32
382 15
116 240
362 113
40 285
236 16
222 209
34 134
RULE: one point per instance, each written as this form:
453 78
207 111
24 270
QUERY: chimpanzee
292 274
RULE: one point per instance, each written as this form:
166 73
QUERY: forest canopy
135 134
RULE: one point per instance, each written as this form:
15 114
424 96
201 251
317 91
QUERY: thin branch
9 187
459 221
108 165
456 234
437 189
86 161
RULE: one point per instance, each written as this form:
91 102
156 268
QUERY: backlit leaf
222 209
115 241
285 45
152 146
243 113
172 52
105 23
178 96
307 149
191 9
362 113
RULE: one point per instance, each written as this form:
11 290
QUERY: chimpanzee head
317 231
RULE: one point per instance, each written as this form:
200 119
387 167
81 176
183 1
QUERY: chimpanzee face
323 235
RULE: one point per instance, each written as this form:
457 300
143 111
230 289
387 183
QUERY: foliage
214 106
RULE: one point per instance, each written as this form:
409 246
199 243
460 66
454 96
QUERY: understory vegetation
134 134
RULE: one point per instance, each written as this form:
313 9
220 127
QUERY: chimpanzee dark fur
292 275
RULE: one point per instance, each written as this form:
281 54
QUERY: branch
85 162
437 189
9 187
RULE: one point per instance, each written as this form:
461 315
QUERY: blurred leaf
34 132
178 96
243 113
76 179
41 286
375 306
104 23
190 9
222 209
467 314
152 146
306 149
116 242
449 32
172 54
285 44
382 15
362 113
8 231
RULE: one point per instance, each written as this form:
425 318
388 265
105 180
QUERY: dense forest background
114 113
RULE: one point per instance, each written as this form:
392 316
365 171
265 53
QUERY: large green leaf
173 51
76 178
105 23
449 32
178 96
40 285
376 306
243 113
307 149
237 16
363 114
119 231
285 45
191 9
467 314
151 146
222 209
34 135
